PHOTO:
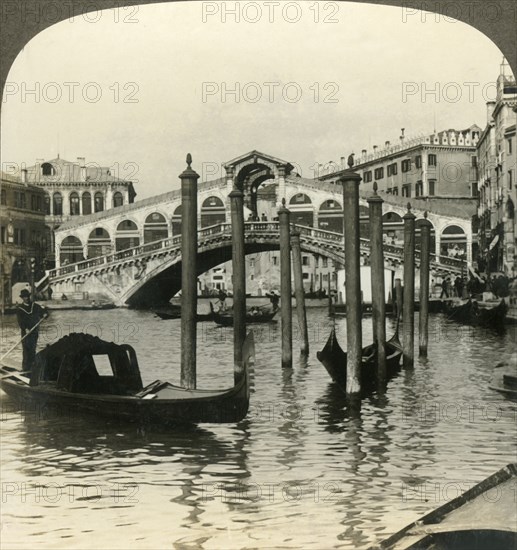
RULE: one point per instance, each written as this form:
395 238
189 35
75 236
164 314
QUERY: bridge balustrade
225 229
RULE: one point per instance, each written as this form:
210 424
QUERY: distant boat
65 376
334 359
483 517
262 314
174 312
504 379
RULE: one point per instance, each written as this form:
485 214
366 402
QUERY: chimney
363 152
24 175
81 161
374 149
402 135
387 144
490 106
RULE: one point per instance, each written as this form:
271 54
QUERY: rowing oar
18 343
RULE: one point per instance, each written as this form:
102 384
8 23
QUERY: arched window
99 202
155 228
127 235
118 199
87 203
176 221
57 204
330 216
47 204
212 212
99 243
47 169
302 211
74 204
71 251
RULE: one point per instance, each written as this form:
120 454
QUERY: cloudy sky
138 88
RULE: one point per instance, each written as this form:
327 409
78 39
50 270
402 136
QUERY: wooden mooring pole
397 300
377 278
351 181
299 293
285 287
408 311
188 275
239 281
423 316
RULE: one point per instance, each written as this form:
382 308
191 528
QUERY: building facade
24 236
76 189
441 164
497 162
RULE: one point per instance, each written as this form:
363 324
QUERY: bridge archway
71 250
330 216
127 235
176 221
392 228
99 243
453 242
212 211
86 203
302 210
155 228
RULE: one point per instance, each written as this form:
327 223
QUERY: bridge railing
221 229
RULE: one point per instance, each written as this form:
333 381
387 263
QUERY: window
74 204
47 204
99 202
57 204
379 173
4 235
87 203
406 165
431 186
510 146
431 160
118 199
47 169
418 161
275 260
406 190
324 260
305 276
510 179
392 169
395 190
474 161
474 188
4 197
419 189
367 176
305 260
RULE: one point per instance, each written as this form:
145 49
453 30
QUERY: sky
138 88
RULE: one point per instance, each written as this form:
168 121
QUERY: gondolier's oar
19 342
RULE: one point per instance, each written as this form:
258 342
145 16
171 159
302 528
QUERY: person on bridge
445 288
29 315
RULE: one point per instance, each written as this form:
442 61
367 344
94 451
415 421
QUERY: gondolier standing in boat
29 315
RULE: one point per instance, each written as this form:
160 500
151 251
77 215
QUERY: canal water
298 472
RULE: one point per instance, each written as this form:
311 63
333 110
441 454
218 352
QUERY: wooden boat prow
333 358
66 375
485 516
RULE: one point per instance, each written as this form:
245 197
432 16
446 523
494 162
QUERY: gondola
471 314
504 380
264 314
174 312
485 516
65 376
334 359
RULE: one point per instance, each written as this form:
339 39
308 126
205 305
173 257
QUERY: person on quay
29 314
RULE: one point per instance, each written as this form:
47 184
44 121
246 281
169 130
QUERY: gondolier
29 316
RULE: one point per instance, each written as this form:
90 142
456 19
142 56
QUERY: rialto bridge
132 253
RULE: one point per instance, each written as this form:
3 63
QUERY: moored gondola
471 314
504 380
334 359
66 376
263 314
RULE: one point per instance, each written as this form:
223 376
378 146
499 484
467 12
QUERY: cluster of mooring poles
405 300
189 277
